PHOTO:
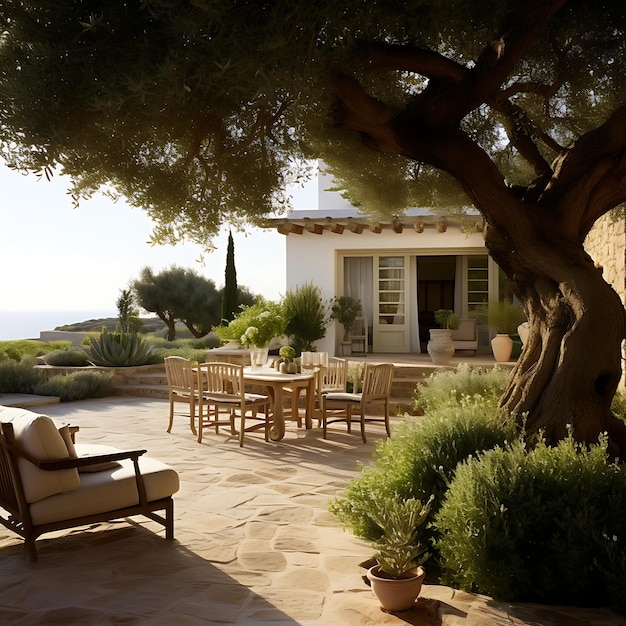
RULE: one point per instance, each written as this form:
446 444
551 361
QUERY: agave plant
119 350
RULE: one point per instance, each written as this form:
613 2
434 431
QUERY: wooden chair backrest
335 375
377 381
218 377
179 372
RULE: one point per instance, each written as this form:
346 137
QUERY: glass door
391 323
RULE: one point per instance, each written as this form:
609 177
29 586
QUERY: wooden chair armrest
85 461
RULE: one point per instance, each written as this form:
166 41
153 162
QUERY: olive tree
203 112
179 294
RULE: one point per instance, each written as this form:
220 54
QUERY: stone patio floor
255 543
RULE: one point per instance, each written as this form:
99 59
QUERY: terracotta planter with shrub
396 594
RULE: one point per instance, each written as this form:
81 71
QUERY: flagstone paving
255 543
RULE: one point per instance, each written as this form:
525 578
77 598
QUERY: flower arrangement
254 326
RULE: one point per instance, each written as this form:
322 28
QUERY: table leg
277 430
310 403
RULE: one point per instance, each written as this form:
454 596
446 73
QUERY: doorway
435 290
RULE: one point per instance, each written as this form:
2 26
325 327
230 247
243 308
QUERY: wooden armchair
48 484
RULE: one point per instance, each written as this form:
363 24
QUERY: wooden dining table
275 382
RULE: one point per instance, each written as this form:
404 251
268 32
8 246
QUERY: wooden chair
181 387
221 390
332 378
377 380
357 337
48 484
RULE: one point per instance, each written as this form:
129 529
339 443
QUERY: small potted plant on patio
441 346
285 362
396 579
345 309
504 318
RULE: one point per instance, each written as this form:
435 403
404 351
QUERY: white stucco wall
312 258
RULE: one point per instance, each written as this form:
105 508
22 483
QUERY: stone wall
606 244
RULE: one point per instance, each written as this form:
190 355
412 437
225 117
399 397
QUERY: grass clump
76 386
541 525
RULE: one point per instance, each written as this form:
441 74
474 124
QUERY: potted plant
396 579
504 318
285 362
441 347
254 327
345 309
306 316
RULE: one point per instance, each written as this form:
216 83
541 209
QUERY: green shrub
307 316
354 377
18 377
448 387
187 352
546 525
119 350
15 350
76 386
75 357
420 459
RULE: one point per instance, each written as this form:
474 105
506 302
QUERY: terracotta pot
396 594
441 346
502 346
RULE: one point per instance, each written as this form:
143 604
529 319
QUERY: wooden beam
355 227
312 227
376 228
418 227
287 227
441 225
397 226
333 227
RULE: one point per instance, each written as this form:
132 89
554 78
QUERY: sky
55 257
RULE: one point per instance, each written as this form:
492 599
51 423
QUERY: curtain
358 277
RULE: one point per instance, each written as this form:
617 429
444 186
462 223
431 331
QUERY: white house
401 270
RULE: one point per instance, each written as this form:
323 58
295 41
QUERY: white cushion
38 436
98 467
107 490
342 396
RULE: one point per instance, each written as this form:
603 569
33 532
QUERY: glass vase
258 356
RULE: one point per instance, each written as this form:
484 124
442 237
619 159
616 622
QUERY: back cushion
38 436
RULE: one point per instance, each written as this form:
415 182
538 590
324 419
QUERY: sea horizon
29 324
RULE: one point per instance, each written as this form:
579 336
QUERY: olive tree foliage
203 112
179 294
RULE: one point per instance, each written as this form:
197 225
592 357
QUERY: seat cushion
107 490
343 397
38 436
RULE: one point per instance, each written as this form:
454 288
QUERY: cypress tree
229 297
